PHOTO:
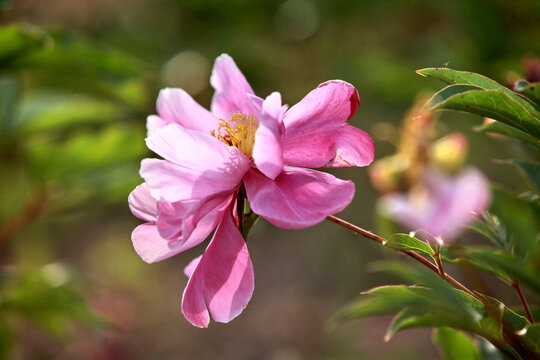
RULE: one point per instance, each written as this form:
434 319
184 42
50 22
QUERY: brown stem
409 253
26 215
437 257
516 286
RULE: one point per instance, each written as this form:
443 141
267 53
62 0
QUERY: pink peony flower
442 206
249 142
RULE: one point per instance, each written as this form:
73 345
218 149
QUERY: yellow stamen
239 132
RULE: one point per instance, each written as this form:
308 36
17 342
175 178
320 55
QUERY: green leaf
523 230
18 41
529 168
530 90
494 104
411 318
533 336
488 351
407 242
458 256
506 130
455 345
516 268
452 77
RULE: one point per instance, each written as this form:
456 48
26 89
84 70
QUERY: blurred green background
77 80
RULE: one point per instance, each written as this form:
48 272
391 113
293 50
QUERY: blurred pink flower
245 140
442 205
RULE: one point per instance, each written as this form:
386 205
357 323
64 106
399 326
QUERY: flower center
239 132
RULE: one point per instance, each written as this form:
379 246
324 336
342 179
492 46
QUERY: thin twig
409 253
516 286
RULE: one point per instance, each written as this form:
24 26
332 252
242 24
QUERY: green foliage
47 298
19 41
506 130
532 336
523 230
480 95
455 345
407 242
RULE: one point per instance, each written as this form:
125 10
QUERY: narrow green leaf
506 130
407 242
411 318
490 103
455 345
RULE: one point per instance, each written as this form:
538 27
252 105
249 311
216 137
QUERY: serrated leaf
507 130
407 242
455 345
451 77
530 169
490 103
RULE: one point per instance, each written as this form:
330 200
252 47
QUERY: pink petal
142 204
353 148
231 87
268 147
223 278
193 304
315 132
170 217
445 207
151 247
206 213
297 198
154 122
228 272
199 165
188 270
177 106
192 220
